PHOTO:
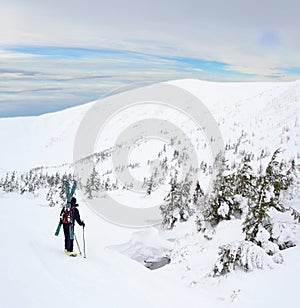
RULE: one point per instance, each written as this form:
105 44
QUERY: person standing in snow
69 214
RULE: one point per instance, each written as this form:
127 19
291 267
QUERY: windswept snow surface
46 140
268 112
34 271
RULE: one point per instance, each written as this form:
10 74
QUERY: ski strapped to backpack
67 206
68 193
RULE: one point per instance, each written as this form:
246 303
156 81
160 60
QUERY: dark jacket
76 216
75 213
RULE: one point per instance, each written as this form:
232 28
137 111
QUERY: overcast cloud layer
252 40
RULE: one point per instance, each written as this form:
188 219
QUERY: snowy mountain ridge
48 139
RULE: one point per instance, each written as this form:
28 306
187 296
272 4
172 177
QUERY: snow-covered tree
198 194
92 184
198 201
168 206
184 197
245 177
10 183
164 165
107 185
266 196
51 196
220 203
176 205
150 184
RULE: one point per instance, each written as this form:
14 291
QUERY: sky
60 53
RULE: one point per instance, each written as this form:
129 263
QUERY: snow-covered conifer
92 184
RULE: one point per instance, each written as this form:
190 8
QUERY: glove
83 224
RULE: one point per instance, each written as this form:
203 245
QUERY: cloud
80 50
240 33
68 76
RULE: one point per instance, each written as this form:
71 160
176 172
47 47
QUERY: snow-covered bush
282 235
263 240
240 255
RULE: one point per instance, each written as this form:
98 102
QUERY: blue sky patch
61 77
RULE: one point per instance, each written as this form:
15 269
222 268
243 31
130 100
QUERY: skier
69 214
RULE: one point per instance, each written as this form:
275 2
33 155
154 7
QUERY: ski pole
77 243
84 254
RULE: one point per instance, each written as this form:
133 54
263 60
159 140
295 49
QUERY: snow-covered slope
36 273
46 140
33 265
267 112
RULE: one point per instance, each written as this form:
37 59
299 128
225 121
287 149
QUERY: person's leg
67 235
70 242
71 245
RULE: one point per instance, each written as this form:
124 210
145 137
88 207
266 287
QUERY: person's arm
76 216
